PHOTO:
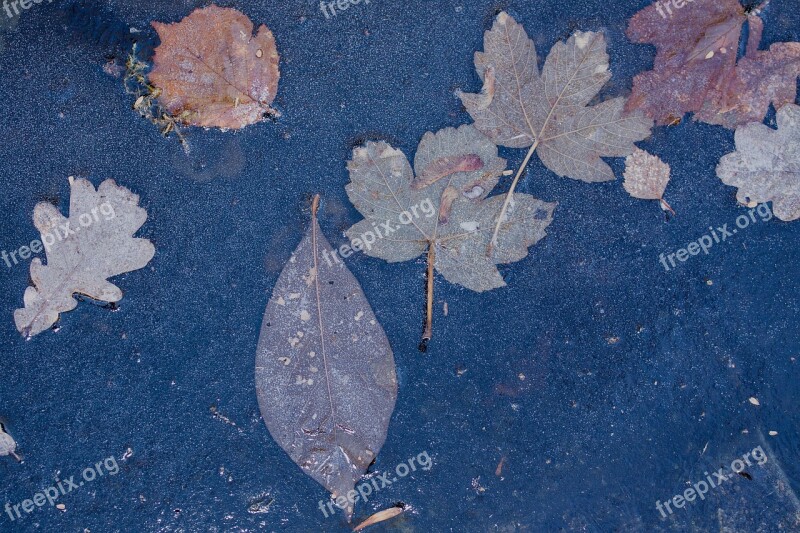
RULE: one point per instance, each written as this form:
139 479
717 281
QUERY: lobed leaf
519 107
696 69
459 226
766 164
83 255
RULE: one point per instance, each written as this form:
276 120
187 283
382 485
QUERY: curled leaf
212 70
445 166
93 244
325 372
766 164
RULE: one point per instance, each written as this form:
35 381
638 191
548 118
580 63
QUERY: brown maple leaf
696 69
550 111
212 70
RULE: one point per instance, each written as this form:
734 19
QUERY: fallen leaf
520 107
696 69
766 164
212 70
325 373
380 516
499 470
8 445
450 219
646 177
95 243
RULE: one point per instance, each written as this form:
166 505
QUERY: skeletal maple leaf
520 107
696 69
95 243
213 72
325 372
444 211
646 177
766 164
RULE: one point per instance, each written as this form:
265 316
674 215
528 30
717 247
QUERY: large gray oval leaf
325 373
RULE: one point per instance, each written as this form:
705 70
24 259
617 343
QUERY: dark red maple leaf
696 69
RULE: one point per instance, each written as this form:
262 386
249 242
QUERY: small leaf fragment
325 373
93 244
766 164
7 445
380 516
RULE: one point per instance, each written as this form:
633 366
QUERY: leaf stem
509 197
428 333
667 207
315 206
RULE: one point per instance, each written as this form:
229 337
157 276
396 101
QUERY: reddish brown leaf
212 70
696 70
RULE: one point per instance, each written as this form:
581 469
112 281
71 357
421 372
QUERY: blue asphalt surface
602 381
